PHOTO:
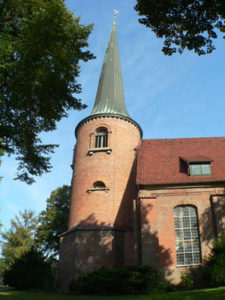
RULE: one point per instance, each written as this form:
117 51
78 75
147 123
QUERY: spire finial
114 16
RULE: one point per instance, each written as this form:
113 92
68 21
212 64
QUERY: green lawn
206 294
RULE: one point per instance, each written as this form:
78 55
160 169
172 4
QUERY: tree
53 221
30 270
2 267
41 45
19 238
190 24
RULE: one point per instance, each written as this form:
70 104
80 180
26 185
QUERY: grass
206 294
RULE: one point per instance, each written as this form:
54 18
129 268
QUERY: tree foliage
189 24
215 267
30 270
53 221
2 267
19 238
41 45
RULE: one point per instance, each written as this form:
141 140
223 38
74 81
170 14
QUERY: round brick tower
101 221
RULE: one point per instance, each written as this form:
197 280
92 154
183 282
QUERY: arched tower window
187 235
101 138
99 185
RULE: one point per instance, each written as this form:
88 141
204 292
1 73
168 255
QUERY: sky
169 97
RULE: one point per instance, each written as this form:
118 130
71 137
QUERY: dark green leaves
41 45
189 24
30 270
53 221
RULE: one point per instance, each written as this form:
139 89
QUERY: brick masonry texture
115 170
101 222
133 220
157 223
85 250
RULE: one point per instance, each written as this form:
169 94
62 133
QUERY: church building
157 202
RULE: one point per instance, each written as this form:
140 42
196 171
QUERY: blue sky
170 97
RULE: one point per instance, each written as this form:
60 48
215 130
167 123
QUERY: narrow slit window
188 250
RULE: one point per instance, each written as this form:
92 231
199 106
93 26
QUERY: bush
29 271
187 282
126 280
215 268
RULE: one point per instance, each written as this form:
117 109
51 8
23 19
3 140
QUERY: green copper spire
110 95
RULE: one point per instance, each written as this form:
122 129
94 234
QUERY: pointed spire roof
110 99
110 94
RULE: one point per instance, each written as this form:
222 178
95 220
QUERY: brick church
135 201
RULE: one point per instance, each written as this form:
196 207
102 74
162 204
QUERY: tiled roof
162 161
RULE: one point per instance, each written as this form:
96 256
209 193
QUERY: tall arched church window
101 138
188 250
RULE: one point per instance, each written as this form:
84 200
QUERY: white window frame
188 250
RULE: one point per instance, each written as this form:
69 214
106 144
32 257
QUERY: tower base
86 249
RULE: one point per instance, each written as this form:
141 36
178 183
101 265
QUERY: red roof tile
160 161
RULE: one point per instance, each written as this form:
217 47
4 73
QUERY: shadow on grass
206 294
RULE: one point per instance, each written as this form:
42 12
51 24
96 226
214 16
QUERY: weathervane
114 15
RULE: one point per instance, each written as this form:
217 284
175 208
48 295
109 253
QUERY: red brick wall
101 223
114 169
85 250
157 224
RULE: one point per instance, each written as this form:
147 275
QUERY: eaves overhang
107 115
180 185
